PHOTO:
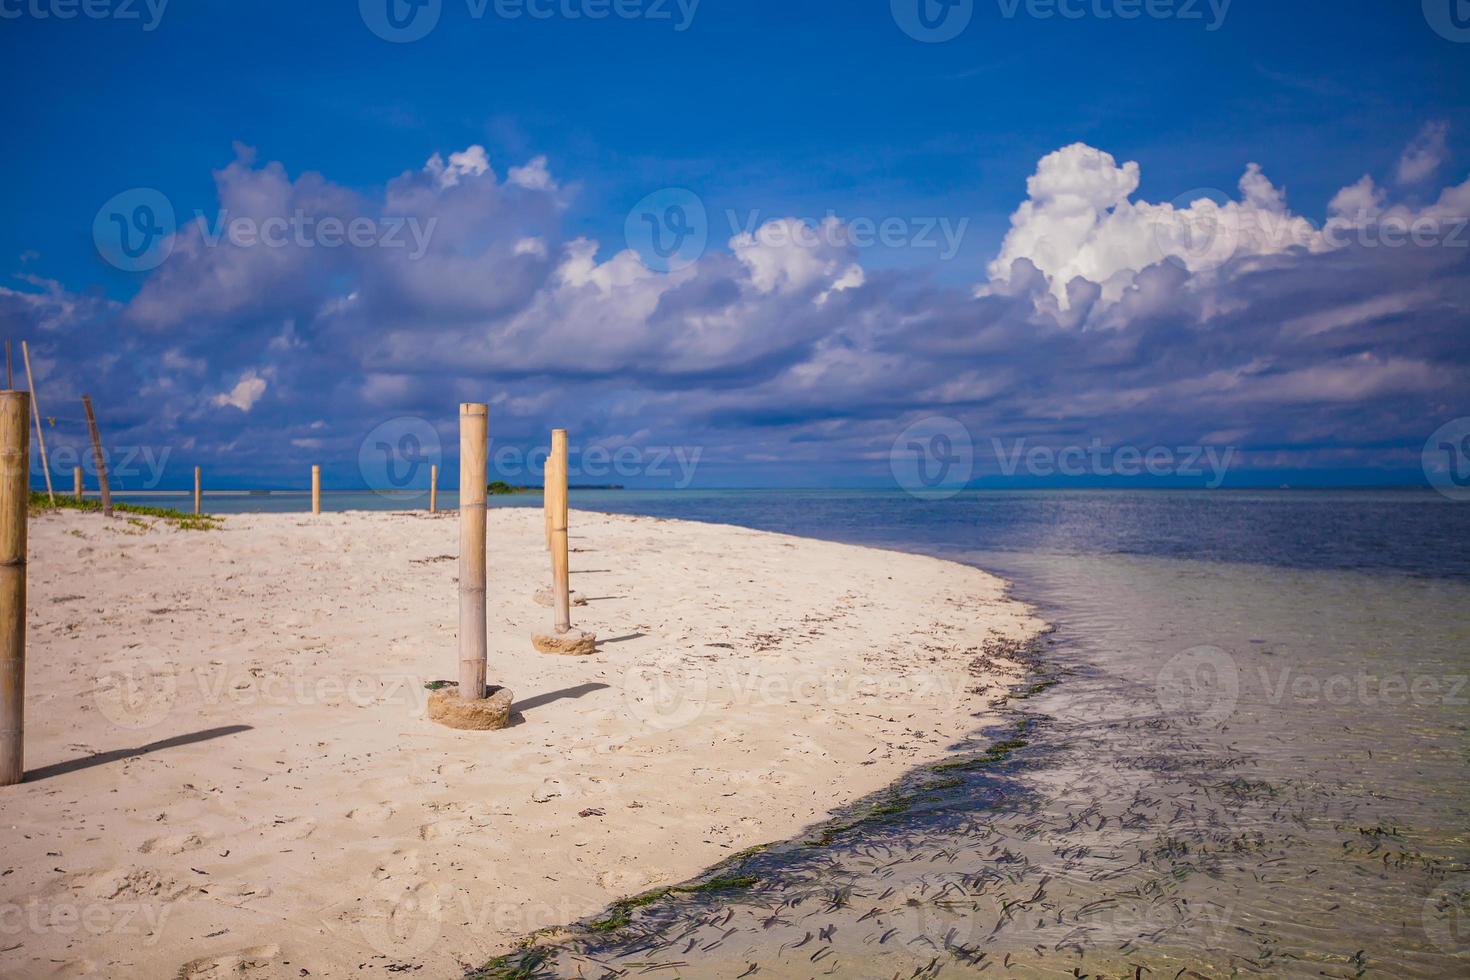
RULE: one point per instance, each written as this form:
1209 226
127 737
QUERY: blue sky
778 361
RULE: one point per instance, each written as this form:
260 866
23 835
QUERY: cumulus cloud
1083 232
1079 223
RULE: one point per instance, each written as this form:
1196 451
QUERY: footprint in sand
378 813
130 883
171 845
402 862
448 829
623 882
241 963
287 829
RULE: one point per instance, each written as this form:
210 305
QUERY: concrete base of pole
573 643
489 714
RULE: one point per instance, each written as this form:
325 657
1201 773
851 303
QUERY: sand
230 772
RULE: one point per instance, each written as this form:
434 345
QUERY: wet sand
230 773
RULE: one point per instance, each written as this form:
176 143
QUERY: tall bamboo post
316 489
198 491
97 455
474 451
77 485
548 477
433 489
25 351
560 558
15 466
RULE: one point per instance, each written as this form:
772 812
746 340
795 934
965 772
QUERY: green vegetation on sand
40 503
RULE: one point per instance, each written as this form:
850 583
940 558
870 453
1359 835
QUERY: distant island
502 489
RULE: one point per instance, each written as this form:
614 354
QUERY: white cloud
1425 155
245 394
470 162
787 255
533 176
1079 223
531 246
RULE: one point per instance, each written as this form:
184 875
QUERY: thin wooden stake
474 452
15 466
560 556
77 487
198 491
97 455
25 351
433 489
316 489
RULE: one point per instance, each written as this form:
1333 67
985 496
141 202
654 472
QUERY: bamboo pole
474 437
433 489
198 492
560 558
97 454
15 465
25 351
77 486
548 477
316 489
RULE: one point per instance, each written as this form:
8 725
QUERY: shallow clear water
1254 760
1243 770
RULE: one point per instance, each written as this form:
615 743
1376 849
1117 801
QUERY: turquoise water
1249 754
1404 531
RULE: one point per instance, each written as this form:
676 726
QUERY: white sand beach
230 773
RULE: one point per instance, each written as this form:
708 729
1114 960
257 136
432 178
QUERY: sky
848 243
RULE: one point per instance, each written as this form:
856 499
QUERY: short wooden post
474 453
198 492
97 455
15 466
316 489
433 489
560 556
77 486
